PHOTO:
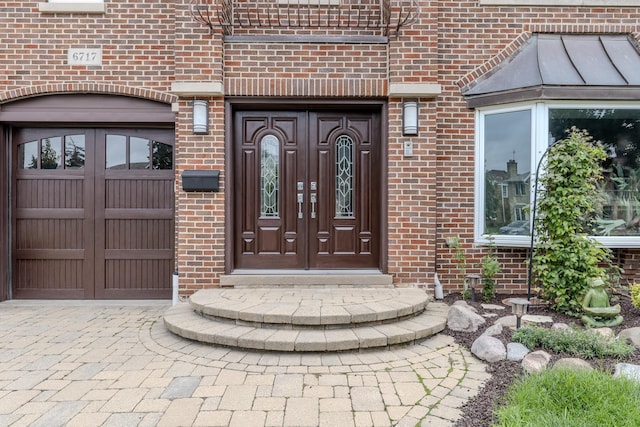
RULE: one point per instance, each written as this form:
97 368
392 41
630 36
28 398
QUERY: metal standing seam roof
562 66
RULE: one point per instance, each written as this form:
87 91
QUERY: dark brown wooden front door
308 190
93 213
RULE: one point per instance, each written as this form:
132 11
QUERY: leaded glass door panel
307 190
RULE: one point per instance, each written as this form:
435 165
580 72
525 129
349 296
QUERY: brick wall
137 41
147 45
472 39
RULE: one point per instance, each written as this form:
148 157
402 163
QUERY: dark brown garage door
93 213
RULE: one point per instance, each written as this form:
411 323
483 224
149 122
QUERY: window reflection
51 153
162 156
618 213
74 151
507 154
116 152
28 155
138 153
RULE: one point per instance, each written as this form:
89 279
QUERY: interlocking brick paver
366 399
301 412
238 397
213 418
288 385
59 414
181 412
107 365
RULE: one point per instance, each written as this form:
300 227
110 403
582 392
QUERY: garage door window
48 153
124 152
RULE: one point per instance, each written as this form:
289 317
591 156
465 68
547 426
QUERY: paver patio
104 363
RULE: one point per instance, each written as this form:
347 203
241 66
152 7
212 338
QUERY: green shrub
570 398
490 267
566 257
574 342
635 294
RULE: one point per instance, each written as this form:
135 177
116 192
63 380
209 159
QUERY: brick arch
84 88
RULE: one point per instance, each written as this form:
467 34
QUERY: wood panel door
308 190
92 213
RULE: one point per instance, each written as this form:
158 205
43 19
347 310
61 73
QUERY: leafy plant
575 342
570 397
490 267
566 257
460 259
635 294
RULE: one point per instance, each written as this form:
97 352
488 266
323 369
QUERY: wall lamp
200 117
410 118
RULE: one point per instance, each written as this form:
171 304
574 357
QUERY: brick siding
147 45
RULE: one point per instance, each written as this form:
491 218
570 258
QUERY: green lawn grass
571 398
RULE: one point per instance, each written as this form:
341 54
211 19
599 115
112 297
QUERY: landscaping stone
632 335
493 330
462 318
536 362
507 321
516 351
572 363
536 320
559 326
627 370
605 332
463 303
489 349
492 307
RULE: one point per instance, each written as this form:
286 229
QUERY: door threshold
304 278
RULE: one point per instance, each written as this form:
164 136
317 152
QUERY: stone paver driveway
113 363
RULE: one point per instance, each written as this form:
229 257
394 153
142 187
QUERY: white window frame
539 144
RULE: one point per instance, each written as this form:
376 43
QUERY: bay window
510 141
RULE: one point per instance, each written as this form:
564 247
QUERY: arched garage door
93 212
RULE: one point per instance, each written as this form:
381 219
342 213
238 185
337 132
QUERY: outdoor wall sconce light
410 118
519 308
200 117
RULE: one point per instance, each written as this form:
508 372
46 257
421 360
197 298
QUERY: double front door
307 190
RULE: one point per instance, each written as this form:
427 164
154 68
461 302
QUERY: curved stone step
310 307
184 321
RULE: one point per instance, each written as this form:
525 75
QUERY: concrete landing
307 320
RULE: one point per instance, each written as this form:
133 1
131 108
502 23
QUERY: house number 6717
84 57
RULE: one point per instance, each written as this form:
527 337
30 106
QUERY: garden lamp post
533 216
519 308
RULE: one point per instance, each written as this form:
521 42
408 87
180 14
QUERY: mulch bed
478 412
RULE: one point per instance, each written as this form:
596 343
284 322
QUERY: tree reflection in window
269 180
124 152
48 153
344 176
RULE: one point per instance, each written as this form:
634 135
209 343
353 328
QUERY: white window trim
539 126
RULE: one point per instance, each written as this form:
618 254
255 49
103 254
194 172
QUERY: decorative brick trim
581 29
495 61
306 87
29 91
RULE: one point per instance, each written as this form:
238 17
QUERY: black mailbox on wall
207 180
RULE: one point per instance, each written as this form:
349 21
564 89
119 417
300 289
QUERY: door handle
300 202
313 205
